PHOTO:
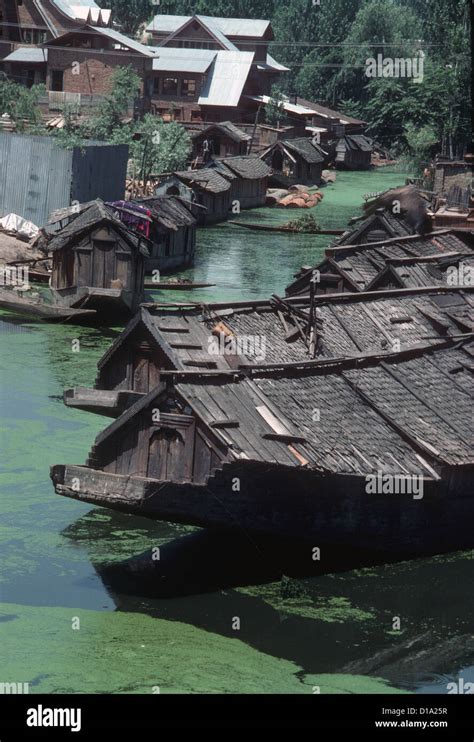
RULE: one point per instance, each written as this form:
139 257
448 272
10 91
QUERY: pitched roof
382 220
305 148
29 54
373 417
95 212
109 33
169 211
235 27
226 127
326 112
171 59
357 142
246 166
360 264
226 79
347 325
208 179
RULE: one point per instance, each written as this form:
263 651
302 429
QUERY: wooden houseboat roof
404 415
301 146
382 220
96 212
223 127
431 270
247 167
359 265
356 142
206 179
171 212
347 325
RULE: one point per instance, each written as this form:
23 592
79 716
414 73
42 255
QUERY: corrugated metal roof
30 54
170 59
125 41
287 106
246 27
226 79
272 64
214 29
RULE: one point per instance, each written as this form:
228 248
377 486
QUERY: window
188 88
170 86
30 78
156 85
57 80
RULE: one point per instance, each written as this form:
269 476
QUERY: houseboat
351 452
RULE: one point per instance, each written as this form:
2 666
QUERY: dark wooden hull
302 504
176 286
42 310
283 228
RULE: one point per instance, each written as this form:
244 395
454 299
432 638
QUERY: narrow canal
68 626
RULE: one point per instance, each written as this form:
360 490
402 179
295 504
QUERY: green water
52 549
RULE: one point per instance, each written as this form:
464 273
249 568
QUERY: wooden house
380 225
356 267
294 161
98 263
222 139
304 452
210 189
227 185
172 233
249 179
354 152
185 338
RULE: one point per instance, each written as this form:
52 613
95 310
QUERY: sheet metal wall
37 176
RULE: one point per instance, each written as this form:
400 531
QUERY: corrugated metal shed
37 176
226 79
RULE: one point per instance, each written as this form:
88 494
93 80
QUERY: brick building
192 69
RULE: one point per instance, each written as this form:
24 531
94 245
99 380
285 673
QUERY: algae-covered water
69 625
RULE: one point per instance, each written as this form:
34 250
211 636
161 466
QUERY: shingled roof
407 415
95 213
347 325
207 179
247 167
171 212
359 265
304 147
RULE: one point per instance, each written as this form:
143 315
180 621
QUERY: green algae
50 546
133 653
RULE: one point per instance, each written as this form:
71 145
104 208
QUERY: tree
21 103
161 147
125 85
274 110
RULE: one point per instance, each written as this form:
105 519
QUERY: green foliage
160 148
274 111
125 86
305 223
21 103
131 14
